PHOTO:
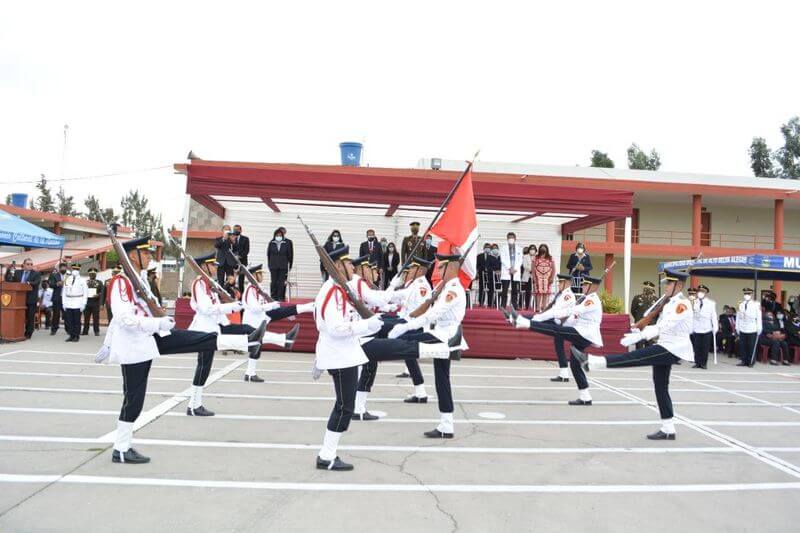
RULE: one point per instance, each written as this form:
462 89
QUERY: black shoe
742 363
198 411
786 363
85 333
96 333
365 416
455 355
506 315
580 357
559 379
254 378
336 464
579 402
436 434
403 375
416 399
773 362
131 456
514 316
697 366
290 337
660 435
52 332
258 333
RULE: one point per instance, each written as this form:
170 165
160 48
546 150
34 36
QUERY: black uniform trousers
747 347
277 284
282 312
558 341
55 320
560 334
441 372
701 342
726 343
661 360
92 312
411 364
134 388
31 315
775 348
72 322
514 293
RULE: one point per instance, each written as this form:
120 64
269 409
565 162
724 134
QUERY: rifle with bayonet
335 275
424 306
223 295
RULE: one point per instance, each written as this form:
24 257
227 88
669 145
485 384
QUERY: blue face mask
278 238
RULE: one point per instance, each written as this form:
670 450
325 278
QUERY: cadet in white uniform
672 331
705 327
416 290
74 296
210 315
442 321
339 351
749 326
134 338
581 328
257 310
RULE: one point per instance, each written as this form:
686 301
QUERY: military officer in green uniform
95 296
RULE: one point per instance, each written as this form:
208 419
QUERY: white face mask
278 238
335 238
511 241
579 250
780 316
747 297
701 295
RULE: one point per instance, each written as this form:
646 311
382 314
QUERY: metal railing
684 238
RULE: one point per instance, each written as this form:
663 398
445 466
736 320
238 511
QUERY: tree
761 158
93 206
601 159
788 157
137 215
639 160
66 204
8 199
44 202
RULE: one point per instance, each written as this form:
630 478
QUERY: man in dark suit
373 249
726 336
482 274
225 251
279 261
56 282
290 244
34 279
241 247
429 254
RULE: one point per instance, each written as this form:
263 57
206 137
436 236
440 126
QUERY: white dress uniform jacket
748 318
562 308
673 327
705 316
372 297
256 307
209 313
130 334
586 318
340 327
411 297
506 262
75 292
446 313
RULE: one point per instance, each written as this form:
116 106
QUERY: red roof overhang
398 188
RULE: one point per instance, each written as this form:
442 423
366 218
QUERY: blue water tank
351 154
19 199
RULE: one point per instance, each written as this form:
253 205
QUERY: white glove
522 323
236 307
82 309
374 324
166 323
102 355
538 318
396 282
389 308
270 306
629 339
650 332
398 331
315 372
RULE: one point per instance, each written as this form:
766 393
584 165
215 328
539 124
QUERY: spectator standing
225 261
528 255
510 264
391 262
579 266
334 242
279 261
56 282
372 248
493 273
34 279
410 241
45 304
94 295
481 274
428 254
544 272
241 247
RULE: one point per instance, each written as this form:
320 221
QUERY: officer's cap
649 284
675 275
703 287
142 243
256 269
340 253
361 260
210 258
92 270
447 258
420 262
564 277
748 290
589 280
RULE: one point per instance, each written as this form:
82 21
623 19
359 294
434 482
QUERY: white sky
139 86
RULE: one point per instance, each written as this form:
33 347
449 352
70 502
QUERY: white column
184 237
627 260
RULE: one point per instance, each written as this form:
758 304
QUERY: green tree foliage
93 209
601 159
639 160
66 204
788 156
8 199
44 202
761 158
137 215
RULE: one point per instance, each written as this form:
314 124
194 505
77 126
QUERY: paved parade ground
522 460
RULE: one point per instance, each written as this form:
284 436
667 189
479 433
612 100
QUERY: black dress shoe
336 464
580 357
559 379
403 375
506 315
786 363
258 333
579 402
52 332
365 416
416 399
131 456
198 411
436 434
96 333
253 378
697 366
742 364
291 336
660 435
773 362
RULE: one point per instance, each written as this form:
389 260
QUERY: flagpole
439 212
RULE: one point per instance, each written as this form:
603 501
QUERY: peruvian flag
457 228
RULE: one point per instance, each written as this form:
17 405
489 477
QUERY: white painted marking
409 487
491 415
12 352
92 364
740 394
382 414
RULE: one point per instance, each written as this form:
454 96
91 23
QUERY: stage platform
485 330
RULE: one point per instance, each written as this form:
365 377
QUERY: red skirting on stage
484 329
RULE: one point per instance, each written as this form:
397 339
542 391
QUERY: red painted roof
55 217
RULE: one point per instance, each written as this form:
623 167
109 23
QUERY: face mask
495 252
63 270
92 276
579 250
278 238
428 242
701 295
335 238
391 250
414 231
780 316
370 238
511 241
532 252
747 297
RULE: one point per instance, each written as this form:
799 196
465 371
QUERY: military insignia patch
423 291
589 302
450 296
680 308
567 297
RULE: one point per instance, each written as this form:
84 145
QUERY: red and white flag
457 228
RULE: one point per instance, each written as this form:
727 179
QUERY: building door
705 228
619 228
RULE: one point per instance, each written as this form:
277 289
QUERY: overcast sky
141 85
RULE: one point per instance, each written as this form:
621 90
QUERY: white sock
446 423
419 391
522 323
251 367
329 444
236 343
196 399
667 426
122 443
438 350
563 373
305 308
361 402
596 362
584 395
278 339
